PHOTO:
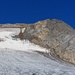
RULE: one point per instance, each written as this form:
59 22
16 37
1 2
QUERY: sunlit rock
55 35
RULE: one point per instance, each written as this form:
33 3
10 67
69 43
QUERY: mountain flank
55 35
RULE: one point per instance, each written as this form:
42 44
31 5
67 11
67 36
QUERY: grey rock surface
55 35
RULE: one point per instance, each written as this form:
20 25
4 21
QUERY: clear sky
30 11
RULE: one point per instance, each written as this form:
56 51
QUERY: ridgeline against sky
30 11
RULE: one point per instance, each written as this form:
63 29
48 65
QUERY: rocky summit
55 35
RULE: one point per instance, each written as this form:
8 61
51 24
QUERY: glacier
21 57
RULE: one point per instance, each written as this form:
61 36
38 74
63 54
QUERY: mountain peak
55 35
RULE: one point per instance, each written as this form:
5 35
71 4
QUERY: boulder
55 35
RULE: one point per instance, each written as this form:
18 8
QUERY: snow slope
20 58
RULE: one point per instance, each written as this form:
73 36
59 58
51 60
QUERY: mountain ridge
55 35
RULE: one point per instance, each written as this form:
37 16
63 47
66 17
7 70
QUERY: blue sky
30 11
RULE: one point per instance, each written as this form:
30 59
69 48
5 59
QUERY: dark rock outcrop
55 35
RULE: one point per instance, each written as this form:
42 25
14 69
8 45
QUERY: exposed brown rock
55 35
21 34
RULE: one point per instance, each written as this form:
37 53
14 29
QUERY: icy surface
19 58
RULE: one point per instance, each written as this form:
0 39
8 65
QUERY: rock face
55 35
